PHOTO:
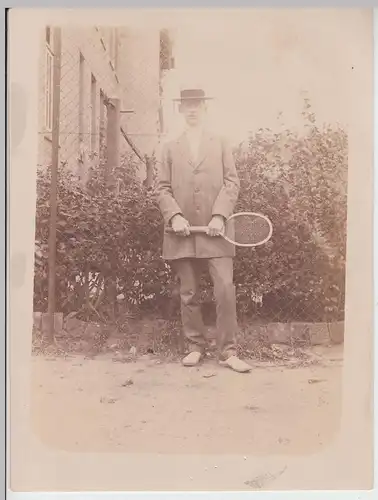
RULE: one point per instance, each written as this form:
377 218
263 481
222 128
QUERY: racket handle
198 229
192 229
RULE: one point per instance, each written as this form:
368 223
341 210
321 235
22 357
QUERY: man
198 186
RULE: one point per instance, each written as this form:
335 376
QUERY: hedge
109 243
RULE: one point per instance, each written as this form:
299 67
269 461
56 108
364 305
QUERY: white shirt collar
194 131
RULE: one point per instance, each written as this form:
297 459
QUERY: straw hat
189 94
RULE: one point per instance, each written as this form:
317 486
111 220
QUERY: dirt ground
148 405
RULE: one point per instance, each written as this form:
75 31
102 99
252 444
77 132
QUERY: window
49 66
92 130
166 59
161 119
81 97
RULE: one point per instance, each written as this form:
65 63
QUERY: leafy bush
109 243
299 182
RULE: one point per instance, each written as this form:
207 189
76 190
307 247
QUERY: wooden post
54 183
149 171
113 141
113 133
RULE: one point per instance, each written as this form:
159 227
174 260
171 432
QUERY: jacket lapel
184 149
203 149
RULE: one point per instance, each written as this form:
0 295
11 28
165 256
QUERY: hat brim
182 99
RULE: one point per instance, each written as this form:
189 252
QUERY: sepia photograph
191 230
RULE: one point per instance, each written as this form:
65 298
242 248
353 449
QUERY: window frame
81 96
49 88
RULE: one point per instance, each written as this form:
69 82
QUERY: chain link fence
105 262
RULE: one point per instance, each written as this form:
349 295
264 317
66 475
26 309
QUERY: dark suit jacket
199 190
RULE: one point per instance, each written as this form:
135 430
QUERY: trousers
221 271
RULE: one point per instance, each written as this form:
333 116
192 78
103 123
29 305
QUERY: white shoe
192 359
236 364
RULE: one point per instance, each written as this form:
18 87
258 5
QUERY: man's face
193 111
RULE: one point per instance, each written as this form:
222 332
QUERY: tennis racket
251 229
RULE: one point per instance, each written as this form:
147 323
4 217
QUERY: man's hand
180 225
216 226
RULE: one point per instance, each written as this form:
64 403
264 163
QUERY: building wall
139 76
133 77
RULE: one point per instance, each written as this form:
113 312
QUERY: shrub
109 243
299 182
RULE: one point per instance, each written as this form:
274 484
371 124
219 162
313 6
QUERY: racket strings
251 229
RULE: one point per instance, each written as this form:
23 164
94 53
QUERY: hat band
192 94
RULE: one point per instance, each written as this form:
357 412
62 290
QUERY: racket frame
204 229
250 245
